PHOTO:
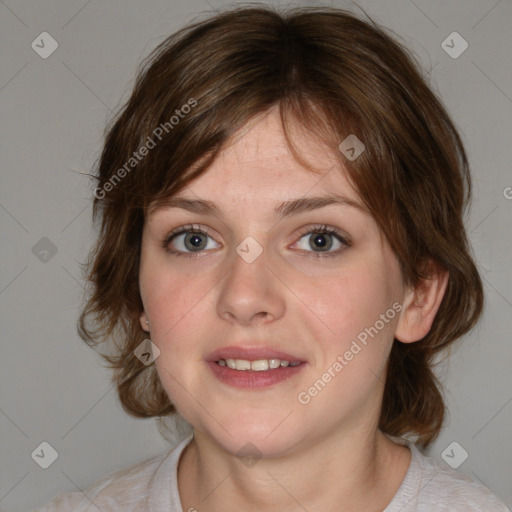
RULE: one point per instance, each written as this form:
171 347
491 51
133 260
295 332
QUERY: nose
251 292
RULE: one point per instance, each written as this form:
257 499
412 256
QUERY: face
250 281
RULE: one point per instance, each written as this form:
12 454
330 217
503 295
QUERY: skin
328 454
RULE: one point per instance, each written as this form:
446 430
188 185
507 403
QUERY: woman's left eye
190 241
323 238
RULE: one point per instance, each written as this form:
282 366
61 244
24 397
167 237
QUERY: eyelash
323 229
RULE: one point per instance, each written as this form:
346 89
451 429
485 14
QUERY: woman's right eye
188 242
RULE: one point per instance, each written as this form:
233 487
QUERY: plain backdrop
54 388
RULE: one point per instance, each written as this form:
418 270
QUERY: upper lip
251 354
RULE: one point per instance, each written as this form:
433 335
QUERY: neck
346 472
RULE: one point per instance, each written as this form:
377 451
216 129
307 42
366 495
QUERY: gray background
53 111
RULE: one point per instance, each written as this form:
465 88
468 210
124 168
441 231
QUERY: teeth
242 364
258 366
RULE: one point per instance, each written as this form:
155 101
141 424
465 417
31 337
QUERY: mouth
252 354
258 365
253 368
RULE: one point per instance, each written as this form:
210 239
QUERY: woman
282 257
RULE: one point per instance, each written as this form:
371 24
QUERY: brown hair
336 75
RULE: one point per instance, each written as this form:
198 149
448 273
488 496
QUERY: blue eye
188 238
323 238
190 241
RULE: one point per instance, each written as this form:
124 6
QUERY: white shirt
152 486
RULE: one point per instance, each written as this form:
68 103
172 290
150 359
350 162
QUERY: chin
261 439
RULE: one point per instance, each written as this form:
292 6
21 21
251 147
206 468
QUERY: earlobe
144 323
421 305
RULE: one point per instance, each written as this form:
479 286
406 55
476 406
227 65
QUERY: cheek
351 301
177 306
354 353
355 350
174 301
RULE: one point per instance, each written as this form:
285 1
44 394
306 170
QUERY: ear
421 305
144 321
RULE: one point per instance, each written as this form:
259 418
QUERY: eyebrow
285 209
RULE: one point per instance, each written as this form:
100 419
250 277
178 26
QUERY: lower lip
250 379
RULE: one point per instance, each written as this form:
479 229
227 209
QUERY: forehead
257 164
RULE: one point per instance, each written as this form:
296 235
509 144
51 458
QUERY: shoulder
126 487
441 488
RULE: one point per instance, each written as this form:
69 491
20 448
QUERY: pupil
195 240
320 241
